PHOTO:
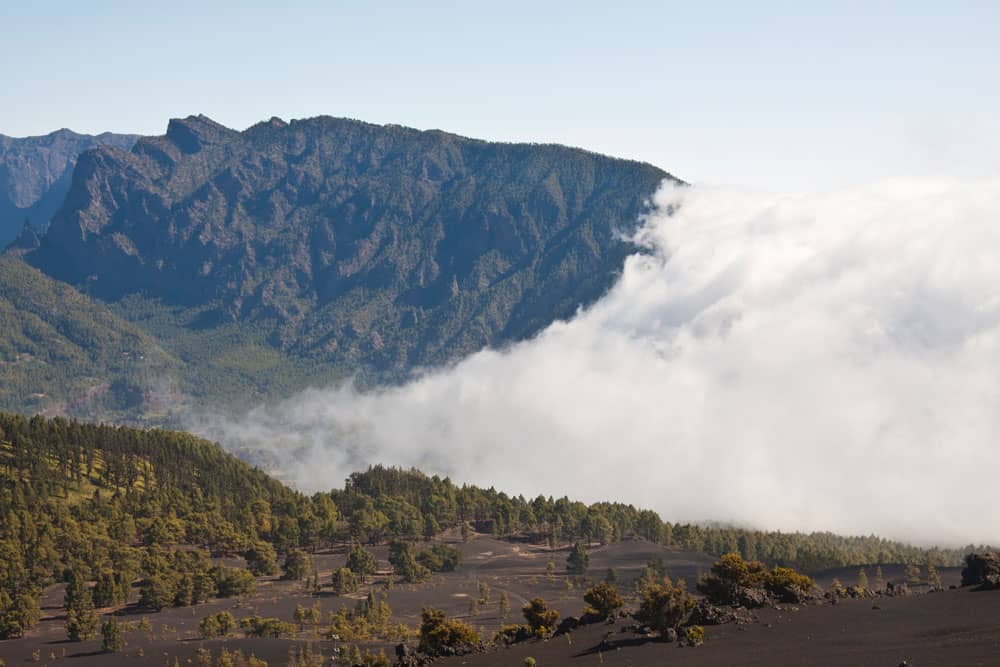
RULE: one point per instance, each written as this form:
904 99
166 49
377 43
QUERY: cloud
810 362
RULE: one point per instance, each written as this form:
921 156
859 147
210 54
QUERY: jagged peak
191 133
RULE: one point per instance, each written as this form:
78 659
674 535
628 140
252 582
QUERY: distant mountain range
252 264
35 175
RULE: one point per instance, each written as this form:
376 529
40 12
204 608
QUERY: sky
780 96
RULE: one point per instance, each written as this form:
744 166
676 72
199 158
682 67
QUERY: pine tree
484 592
81 621
112 639
504 606
361 562
578 560
862 579
879 579
933 578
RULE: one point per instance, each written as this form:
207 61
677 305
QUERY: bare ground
954 627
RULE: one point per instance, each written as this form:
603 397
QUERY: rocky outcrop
706 613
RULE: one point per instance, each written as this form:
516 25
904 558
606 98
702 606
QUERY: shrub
540 618
604 601
665 606
511 634
694 635
787 584
441 636
749 583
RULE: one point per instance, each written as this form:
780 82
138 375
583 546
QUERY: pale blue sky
778 95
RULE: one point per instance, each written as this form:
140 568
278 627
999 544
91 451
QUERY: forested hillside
108 508
63 352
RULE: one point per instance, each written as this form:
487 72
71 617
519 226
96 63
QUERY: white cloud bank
813 362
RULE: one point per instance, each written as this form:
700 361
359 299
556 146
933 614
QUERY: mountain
36 172
295 253
63 352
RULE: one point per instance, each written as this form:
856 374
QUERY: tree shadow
606 645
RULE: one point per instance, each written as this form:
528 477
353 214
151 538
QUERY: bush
540 618
787 584
442 636
665 606
694 635
511 634
749 583
604 601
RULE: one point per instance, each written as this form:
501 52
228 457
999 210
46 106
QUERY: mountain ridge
329 247
35 174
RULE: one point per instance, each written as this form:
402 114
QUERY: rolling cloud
812 362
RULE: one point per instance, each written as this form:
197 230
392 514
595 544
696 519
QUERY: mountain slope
63 352
36 172
364 248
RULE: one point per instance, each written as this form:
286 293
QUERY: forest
104 508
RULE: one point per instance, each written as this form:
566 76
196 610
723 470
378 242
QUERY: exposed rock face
982 570
35 175
373 247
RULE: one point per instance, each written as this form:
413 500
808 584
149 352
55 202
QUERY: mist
784 361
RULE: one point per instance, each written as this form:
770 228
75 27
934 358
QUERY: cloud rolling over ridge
811 362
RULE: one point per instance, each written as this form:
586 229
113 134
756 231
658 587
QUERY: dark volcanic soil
950 628
955 627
